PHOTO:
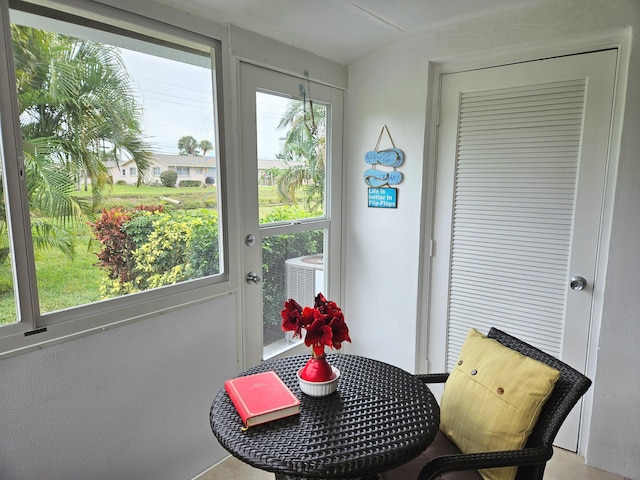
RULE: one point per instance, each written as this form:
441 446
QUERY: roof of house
264 164
184 160
172 161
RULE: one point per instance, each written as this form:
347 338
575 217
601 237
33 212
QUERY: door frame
619 39
253 77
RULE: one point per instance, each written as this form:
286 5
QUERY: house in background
188 167
268 170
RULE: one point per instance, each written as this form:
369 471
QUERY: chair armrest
432 377
476 461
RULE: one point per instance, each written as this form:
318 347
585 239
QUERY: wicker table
380 417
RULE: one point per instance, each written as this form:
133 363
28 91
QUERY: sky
176 98
269 111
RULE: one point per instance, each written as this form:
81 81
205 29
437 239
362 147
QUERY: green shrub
189 183
113 288
203 251
148 247
115 254
117 245
182 246
140 226
168 178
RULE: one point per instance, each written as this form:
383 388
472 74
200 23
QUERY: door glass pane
291 190
119 147
291 138
8 309
292 267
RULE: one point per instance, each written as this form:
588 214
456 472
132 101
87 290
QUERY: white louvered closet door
522 153
514 197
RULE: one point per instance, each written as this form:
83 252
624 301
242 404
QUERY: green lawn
130 196
65 282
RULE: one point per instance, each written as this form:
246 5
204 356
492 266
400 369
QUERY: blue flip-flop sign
391 157
380 181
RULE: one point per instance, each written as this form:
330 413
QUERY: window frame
33 330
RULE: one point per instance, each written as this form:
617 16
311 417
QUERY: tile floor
564 465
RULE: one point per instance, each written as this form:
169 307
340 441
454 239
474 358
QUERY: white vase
319 389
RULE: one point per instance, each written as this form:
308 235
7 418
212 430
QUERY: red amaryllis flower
320 301
324 323
292 317
318 333
340 331
309 315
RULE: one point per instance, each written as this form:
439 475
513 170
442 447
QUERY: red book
261 398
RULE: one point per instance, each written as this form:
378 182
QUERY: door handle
578 283
253 278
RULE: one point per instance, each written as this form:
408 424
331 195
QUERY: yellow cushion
492 399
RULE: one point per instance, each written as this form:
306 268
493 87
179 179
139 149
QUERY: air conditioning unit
304 278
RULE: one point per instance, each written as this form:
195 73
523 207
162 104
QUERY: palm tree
205 146
187 145
304 152
78 95
76 110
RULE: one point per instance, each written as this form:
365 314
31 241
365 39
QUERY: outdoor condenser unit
304 278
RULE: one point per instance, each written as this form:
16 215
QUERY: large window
76 238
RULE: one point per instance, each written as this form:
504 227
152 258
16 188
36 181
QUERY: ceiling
340 30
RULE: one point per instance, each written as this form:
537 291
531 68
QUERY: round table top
380 417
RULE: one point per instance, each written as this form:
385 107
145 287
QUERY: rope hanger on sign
380 138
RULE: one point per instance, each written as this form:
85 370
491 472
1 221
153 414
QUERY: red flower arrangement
324 323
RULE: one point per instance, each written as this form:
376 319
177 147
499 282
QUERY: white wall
128 403
381 255
383 246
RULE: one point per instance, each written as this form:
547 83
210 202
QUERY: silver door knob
253 278
578 283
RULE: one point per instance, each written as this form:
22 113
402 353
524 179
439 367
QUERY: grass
129 196
63 282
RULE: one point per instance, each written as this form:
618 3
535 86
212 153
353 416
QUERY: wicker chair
442 460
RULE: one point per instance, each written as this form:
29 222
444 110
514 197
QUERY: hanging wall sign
383 197
383 174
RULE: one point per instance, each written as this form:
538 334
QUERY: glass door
291 167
